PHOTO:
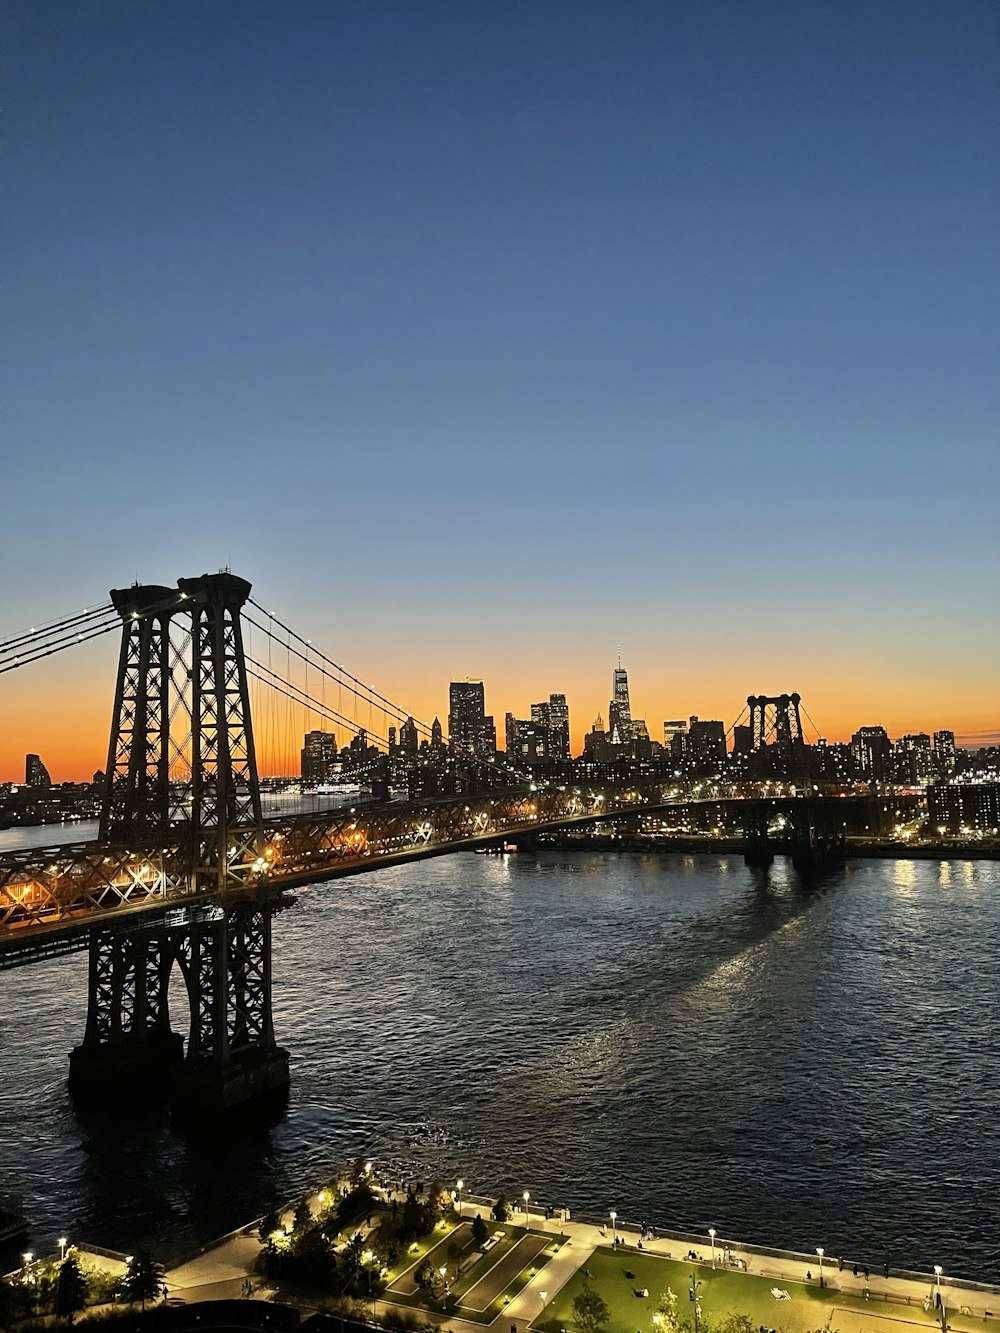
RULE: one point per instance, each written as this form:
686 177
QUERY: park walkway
223 1268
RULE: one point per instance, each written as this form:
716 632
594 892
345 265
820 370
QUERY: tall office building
319 756
559 722
870 750
619 709
545 737
706 745
409 741
35 772
470 729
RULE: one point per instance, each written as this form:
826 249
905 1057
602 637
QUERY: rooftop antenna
619 657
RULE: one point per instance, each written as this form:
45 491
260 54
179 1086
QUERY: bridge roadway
52 899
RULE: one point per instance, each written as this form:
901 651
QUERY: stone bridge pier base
757 851
224 957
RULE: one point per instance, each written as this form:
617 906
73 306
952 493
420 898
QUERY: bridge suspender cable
295 694
369 695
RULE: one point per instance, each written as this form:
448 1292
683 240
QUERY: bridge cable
53 627
35 655
297 695
368 698
396 708
278 686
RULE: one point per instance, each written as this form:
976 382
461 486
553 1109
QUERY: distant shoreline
864 850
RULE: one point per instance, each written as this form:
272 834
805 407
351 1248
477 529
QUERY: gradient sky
485 337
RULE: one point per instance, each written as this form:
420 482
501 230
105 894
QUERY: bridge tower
182 781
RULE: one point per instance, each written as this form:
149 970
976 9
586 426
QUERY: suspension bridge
187 872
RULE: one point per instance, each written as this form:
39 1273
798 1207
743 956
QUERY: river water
673 1036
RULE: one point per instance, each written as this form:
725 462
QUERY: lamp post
819 1251
543 1296
525 1196
443 1270
367 1259
938 1270
695 1284
62 1248
459 1186
711 1236
614 1225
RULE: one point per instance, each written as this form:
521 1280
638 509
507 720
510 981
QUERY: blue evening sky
481 336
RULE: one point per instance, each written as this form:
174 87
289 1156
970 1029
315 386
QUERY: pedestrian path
223 1270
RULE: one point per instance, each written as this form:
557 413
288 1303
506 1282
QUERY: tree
425 1277
480 1232
438 1199
268 1225
502 1210
665 1315
143 1280
313 1260
737 1323
303 1216
71 1288
590 1311
413 1221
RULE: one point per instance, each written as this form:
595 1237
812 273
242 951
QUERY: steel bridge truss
223 956
181 756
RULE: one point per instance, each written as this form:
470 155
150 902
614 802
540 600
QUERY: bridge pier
128 1041
756 848
817 838
232 1057
224 956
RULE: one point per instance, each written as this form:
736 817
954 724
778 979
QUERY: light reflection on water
674 1036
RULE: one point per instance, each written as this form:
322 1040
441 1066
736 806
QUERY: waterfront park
408 1257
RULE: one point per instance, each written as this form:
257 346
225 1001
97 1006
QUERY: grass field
727 1292
490 1282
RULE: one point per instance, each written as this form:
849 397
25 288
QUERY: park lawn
417 1249
486 1262
723 1292
518 1282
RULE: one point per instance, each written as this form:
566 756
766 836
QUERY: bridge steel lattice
181 818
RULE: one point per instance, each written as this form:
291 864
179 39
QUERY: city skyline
75 754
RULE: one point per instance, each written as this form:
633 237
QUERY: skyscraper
559 722
470 729
619 709
319 756
409 740
35 772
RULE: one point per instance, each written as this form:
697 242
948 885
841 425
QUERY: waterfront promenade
845 1302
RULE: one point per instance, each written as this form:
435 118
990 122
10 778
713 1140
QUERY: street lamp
693 1293
819 1251
711 1236
459 1186
614 1224
366 1259
525 1196
443 1270
62 1248
543 1296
